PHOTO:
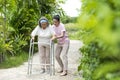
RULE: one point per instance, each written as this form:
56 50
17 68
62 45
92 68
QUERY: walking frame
30 58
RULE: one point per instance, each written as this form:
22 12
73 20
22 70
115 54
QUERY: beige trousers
61 55
44 51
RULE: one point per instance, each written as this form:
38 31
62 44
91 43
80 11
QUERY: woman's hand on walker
52 39
33 39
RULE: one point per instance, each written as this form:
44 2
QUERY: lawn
73 31
14 61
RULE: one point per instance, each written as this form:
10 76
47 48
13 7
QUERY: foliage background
98 27
100 24
17 19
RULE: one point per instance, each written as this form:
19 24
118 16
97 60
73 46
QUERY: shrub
100 22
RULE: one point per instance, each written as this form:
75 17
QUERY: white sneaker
42 71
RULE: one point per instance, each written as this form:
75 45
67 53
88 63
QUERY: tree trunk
2 58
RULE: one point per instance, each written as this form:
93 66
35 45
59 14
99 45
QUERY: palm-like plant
18 18
4 31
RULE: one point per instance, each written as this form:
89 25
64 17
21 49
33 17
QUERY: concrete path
20 73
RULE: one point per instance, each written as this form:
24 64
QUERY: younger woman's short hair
57 17
43 19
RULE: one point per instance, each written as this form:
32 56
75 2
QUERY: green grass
73 31
14 61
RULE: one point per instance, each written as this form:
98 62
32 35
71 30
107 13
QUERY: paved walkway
20 73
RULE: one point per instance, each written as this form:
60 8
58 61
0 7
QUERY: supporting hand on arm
60 36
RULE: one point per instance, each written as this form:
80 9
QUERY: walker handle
31 40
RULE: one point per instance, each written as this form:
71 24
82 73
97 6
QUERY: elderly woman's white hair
43 19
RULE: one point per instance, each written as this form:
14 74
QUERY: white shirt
44 35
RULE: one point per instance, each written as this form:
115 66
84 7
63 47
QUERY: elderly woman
45 33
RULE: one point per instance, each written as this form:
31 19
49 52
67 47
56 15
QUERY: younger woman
62 45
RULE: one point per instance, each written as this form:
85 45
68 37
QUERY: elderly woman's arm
34 32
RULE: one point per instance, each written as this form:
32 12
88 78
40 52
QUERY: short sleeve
62 28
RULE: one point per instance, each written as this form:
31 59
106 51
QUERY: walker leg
52 67
30 59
